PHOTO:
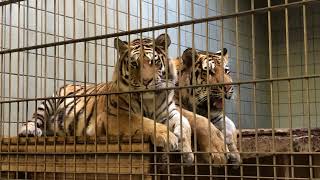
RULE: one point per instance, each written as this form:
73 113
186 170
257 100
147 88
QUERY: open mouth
218 103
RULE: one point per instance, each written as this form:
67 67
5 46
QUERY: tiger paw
188 156
218 149
162 140
214 147
29 129
234 159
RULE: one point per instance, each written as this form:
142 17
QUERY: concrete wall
302 103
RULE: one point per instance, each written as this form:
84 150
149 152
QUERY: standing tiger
209 68
143 64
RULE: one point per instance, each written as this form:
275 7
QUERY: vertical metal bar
193 94
18 116
27 64
10 77
207 82
85 54
2 75
2 78
238 102
107 78
36 71
18 80
179 77
289 88
95 83
129 113
118 88
41 50
254 88
305 43
45 75
154 100
64 85
223 99
74 86
55 75
167 93
130 95
10 68
271 89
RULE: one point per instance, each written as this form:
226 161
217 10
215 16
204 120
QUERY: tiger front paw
188 156
234 156
29 129
214 146
234 159
162 139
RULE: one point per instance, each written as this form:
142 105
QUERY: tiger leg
231 138
209 138
35 126
136 126
30 129
181 128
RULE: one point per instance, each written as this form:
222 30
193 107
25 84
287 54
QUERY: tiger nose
146 81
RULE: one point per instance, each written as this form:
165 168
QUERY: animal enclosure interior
272 45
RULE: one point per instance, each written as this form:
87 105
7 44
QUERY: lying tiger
141 66
209 68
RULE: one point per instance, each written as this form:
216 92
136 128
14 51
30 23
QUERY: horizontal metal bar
152 153
170 25
167 163
226 176
170 88
3 3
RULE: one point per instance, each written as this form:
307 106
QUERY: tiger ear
224 55
120 45
162 40
187 57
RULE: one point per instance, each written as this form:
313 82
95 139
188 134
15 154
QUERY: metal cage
273 48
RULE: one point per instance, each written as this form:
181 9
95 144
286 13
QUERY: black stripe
216 119
36 116
70 128
124 82
46 108
163 99
172 114
69 94
124 101
40 108
164 109
74 105
76 118
88 119
50 104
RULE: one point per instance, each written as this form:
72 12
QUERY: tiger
142 65
209 68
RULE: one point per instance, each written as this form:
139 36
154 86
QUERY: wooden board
61 157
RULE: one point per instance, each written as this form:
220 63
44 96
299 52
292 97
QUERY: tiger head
143 64
209 68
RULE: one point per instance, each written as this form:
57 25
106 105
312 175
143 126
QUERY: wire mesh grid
249 65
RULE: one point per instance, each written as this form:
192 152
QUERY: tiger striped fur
209 68
143 64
